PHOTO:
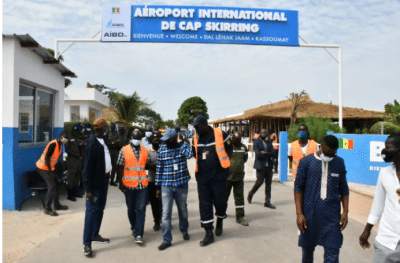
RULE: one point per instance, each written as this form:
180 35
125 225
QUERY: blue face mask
148 134
302 134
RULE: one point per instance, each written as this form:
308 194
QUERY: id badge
175 167
204 155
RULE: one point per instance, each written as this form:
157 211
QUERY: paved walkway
271 236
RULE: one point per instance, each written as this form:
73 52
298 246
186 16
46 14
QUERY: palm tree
128 107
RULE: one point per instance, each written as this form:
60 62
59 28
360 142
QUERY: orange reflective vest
275 141
41 163
219 147
134 170
297 154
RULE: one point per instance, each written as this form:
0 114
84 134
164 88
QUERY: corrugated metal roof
27 41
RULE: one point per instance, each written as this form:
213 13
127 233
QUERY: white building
79 102
32 110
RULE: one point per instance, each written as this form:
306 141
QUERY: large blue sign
194 24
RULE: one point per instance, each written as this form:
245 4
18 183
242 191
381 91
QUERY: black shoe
163 246
71 196
87 250
100 239
269 205
60 207
50 212
139 240
113 184
156 226
208 239
186 236
249 198
77 193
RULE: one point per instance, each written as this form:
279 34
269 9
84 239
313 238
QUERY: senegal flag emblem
346 144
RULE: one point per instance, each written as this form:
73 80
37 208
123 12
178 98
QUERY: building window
75 113
36 109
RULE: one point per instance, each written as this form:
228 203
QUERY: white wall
84 109
21 64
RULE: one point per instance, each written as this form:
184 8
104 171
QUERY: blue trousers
211 193
331 255
136 201
94 214
169 194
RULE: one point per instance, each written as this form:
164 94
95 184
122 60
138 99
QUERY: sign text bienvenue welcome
192 24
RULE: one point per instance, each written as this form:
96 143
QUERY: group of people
157 172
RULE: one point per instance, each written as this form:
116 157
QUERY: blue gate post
283 159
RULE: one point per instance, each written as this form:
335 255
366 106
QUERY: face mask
136 142
64 140
148 134
88 129
325 158
388 156
302 134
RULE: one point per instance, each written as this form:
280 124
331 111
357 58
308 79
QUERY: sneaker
100 239
186 236
163 246
138 240
87 250
242 221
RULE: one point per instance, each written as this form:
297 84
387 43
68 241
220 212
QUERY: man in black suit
96 175
263 164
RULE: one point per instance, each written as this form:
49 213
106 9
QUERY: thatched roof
283 110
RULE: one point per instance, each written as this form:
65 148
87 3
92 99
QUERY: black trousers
53 185
263 174
114 160
211 193
156 205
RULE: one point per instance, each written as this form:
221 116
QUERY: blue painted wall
363 162
16 161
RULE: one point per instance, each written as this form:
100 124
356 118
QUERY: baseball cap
199 119
170 133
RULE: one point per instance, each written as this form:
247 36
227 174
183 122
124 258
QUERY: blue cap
170 133
199 119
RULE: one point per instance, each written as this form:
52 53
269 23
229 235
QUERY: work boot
208 239
249 198
218 228
77 192
71 196
242 221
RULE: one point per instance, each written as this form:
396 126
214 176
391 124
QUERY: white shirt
386 207
107 156
303 149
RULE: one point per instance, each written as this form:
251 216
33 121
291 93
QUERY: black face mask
172 145
156 146
388 156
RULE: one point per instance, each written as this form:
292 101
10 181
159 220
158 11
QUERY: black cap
177 129
199 119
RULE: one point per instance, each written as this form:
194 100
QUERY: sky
229 78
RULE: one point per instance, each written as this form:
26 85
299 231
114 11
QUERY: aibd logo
111 24
115 10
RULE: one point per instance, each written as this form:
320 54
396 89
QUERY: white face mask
148 134
136 142
325 158
64 140
88 129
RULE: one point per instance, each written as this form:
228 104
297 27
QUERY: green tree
392 112
128 107
169 123
191 108
149 116
317 126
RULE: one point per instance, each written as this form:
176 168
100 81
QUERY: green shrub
388 128
317 126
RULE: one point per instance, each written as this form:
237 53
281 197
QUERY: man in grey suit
263 164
